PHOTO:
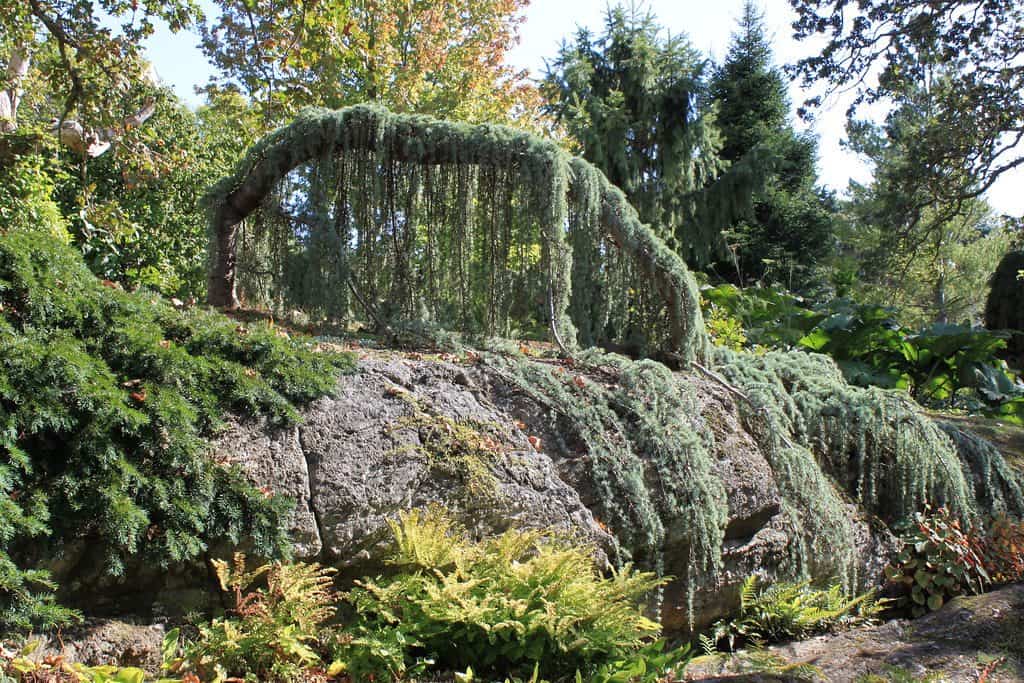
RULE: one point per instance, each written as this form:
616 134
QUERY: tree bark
10 98
93 143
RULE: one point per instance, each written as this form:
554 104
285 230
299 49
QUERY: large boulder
362 456
369 452
500 449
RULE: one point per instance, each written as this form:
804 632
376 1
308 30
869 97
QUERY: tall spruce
786 231
636 101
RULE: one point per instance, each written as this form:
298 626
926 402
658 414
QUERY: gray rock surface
972 638
356 461
107 642
360 457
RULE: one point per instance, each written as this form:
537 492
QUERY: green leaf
169 647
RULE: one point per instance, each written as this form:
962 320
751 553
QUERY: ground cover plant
522 604
790 610
107 399
942 557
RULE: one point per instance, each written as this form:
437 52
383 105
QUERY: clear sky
708 24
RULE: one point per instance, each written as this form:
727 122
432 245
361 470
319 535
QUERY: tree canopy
92 62
635 100
788 229
441 58
965 53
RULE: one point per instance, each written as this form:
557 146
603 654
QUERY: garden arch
482 228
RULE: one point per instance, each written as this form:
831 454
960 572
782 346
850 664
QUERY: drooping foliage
106 402
941 366
646 445
636 101
643 426
364 213
877 445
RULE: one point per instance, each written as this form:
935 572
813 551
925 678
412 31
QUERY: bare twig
370 310
711 374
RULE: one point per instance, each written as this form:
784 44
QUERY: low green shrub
789 611
501 606
940 559
522 605
107 402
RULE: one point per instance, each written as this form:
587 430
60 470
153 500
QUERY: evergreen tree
636 101
787 231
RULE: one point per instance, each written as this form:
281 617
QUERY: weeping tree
363 213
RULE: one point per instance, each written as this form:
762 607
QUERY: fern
789 610
275 633
500 605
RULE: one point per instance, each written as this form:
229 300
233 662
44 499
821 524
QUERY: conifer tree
787 231
636 101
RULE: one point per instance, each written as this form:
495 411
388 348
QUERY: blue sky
708 23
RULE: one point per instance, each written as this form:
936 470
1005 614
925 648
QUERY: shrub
939 560
787 610
501 606
276 632
942 365
723 329
1004 308
522 604
107 400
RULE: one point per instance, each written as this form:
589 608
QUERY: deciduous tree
439 57
89 60
884 50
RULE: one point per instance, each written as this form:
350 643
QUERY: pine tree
635 99
749 90
787 231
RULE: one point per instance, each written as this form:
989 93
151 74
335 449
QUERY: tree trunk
941 308
93 143
17 69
